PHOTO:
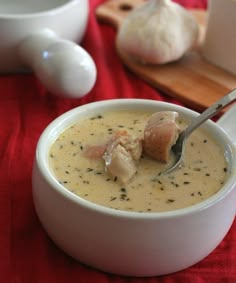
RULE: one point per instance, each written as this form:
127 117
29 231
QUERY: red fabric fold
26 108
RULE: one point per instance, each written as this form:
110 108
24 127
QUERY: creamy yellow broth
203 173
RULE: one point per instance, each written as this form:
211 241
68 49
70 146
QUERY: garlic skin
158 32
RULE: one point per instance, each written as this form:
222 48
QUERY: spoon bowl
178 147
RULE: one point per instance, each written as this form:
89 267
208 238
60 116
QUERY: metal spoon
178 148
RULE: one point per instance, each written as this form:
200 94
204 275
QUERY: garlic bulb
158 32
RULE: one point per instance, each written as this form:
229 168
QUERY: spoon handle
211 111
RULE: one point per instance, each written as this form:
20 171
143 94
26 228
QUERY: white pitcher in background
220 40
43 36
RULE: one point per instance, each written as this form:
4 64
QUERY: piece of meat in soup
160 134
121 156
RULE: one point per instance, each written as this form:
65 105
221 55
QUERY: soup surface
202 175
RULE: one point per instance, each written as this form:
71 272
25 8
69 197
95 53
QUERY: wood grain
191 79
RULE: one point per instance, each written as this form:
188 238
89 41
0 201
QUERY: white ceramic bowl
131 243
43 36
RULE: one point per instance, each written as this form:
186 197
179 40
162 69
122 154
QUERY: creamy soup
202 175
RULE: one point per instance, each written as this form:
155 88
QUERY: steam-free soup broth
203 174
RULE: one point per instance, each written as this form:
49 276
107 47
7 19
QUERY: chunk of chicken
121 156
160 134
94 151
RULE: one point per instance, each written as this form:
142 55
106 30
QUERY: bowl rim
51 131
58 8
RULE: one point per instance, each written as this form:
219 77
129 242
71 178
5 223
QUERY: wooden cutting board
192 80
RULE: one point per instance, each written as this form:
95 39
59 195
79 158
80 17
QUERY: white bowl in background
43 36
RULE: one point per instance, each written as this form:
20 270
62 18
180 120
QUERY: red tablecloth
26 108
